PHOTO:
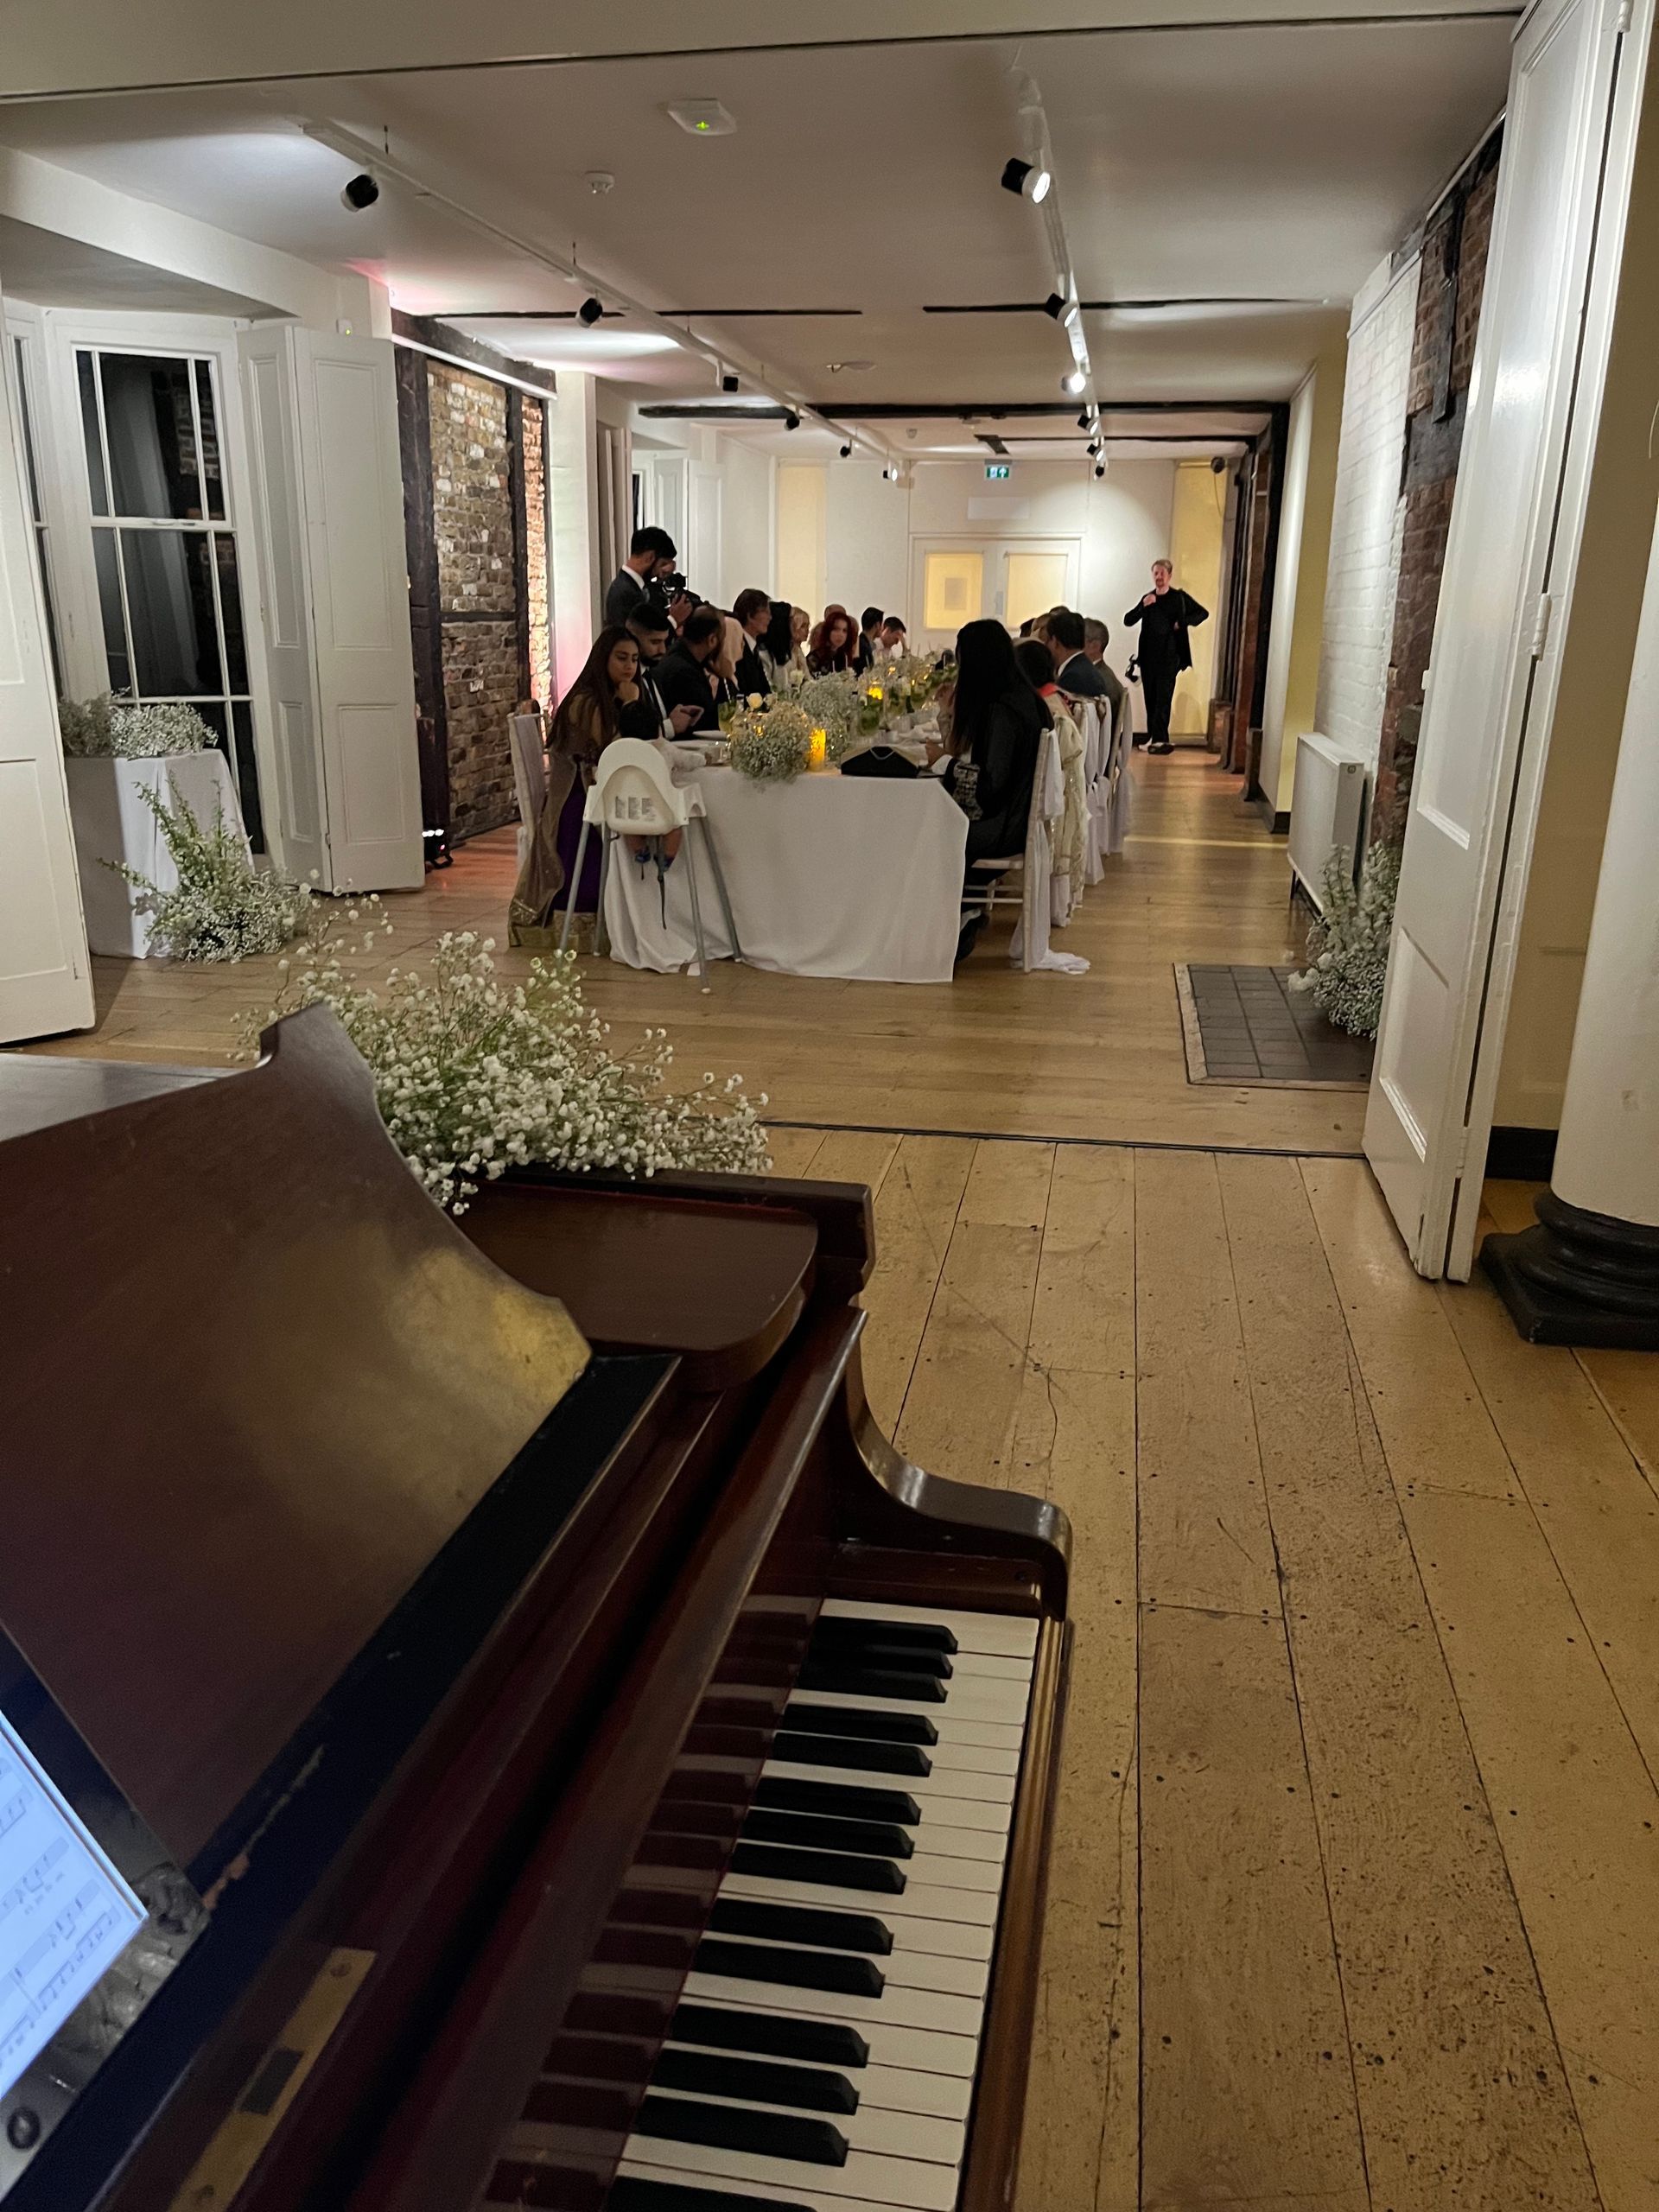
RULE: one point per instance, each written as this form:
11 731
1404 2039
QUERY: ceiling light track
386 165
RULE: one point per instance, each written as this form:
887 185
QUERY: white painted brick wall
1365 565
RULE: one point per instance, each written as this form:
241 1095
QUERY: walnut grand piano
561 1752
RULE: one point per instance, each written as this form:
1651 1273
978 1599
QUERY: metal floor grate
1246 1025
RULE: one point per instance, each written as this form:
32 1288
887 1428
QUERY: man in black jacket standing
1165 616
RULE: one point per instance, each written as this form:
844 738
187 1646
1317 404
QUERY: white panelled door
45 975
323 433
1516 521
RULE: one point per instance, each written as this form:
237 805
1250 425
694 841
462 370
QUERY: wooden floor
995 1052
1355 1897
1354 1900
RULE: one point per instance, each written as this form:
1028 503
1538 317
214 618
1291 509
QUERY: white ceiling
1214 164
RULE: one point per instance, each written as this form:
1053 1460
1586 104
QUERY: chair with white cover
1118 785
998 880
529 776
634 794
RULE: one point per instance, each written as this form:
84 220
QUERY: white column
573 495
1607 1153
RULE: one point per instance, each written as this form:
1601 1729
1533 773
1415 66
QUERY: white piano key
987 1667
893 2088
903 1967
980 1700
899 2008
876 2184
873 2128
1010 1633
989 1796
998 1735
909 2049
935 1900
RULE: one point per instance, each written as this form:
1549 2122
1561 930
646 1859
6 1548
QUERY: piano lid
253 1380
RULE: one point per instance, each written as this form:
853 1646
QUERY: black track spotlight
728 382
1083 420
846 453
1218 465
792 420
1028 179
1100 469
361 191
589 312
1094 449
1055 305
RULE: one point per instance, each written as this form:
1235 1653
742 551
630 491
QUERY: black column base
1579 1278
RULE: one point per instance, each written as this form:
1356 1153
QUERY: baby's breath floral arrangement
120 730
222 907
830 703
1348 946
474 1075
771 744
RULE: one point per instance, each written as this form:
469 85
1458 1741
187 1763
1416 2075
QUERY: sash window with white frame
165 545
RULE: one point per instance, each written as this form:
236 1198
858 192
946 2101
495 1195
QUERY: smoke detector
703 118
847 368
599 182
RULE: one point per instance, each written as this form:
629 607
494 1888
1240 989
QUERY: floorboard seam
1099 1144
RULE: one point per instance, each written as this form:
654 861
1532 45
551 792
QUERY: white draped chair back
529 775
1119 783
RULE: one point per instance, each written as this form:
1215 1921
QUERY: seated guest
1074 671
869 639
646 716
589 715
752 611
833 646
1069 846
685 675
1096 639
996 725
781 654
651 556
893 644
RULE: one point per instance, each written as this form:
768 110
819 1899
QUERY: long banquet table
829 875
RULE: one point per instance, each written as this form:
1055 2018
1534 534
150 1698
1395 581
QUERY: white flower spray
1348 946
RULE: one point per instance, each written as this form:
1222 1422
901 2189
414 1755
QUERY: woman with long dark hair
997 722
833 643
780 648
587 721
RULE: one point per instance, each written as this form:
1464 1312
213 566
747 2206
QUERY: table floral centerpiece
106 728
772 742
831 703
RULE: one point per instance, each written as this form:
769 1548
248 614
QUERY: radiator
1328 810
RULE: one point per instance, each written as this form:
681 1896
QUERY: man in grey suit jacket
1074 671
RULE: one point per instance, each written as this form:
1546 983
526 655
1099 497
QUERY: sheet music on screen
66 1915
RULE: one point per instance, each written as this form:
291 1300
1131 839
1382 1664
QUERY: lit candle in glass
875 691
818 749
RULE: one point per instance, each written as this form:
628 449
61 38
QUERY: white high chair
634 795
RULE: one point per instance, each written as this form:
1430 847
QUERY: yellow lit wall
1195 547
801 534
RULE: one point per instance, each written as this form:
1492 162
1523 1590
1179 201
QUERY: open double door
1511 561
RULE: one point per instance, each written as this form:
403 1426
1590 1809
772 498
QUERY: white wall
1365 522
747 554
867 538
1293 504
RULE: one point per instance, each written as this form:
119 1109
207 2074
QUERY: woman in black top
1163 616
997 722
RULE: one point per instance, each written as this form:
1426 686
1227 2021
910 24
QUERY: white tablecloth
112 823
829 875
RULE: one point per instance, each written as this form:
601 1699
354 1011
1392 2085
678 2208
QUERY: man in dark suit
647 716
1165 616
1074 671
651 555
683 677
752 611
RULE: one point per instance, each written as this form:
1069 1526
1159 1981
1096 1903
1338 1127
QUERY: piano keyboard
823 2052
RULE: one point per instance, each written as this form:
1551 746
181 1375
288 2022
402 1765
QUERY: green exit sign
997 472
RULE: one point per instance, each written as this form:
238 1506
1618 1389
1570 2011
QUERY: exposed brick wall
472 522
1443 347
1366 535
541 659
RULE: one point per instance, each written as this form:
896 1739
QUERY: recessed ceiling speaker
1029 180
589 312
703 118
361 191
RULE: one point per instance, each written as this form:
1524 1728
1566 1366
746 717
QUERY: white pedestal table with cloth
112 823
830 876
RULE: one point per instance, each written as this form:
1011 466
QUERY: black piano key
802 1923
844 1800
821 2043
846 1678
708 2074
840 1750
827 1869
875 1839
729 2128
791 1969
922 1635
836 1651
630 2195
846 1720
